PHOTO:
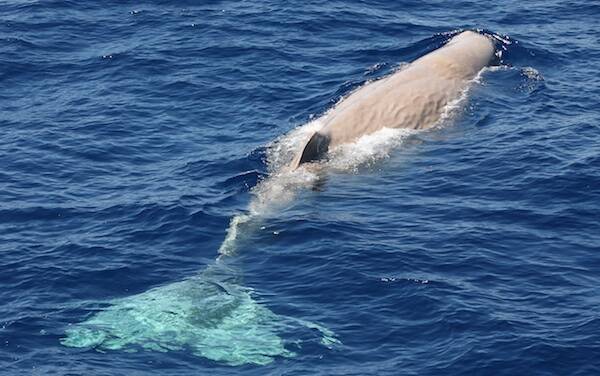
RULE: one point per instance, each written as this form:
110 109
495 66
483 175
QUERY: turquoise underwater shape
210 316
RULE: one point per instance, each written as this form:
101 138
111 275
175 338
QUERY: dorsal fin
315 149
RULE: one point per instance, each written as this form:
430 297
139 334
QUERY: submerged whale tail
211 315
315 149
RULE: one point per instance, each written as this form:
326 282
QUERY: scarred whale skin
413 98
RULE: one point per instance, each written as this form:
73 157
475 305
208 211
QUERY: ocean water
148 226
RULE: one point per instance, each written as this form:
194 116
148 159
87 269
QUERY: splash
278 189
283 183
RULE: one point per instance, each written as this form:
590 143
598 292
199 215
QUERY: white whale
212 314
413 98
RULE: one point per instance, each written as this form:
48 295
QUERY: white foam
367 150
279 188
503 39
532 74
283 184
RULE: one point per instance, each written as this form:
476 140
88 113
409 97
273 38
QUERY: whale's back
413 98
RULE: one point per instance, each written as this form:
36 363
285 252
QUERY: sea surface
148 225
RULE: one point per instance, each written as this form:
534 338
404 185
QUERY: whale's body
413 98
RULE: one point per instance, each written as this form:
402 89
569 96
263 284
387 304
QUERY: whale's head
471 50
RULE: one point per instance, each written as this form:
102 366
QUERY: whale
212 314
415 97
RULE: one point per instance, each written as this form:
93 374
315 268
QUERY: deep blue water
133 132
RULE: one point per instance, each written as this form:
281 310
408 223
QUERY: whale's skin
414 98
